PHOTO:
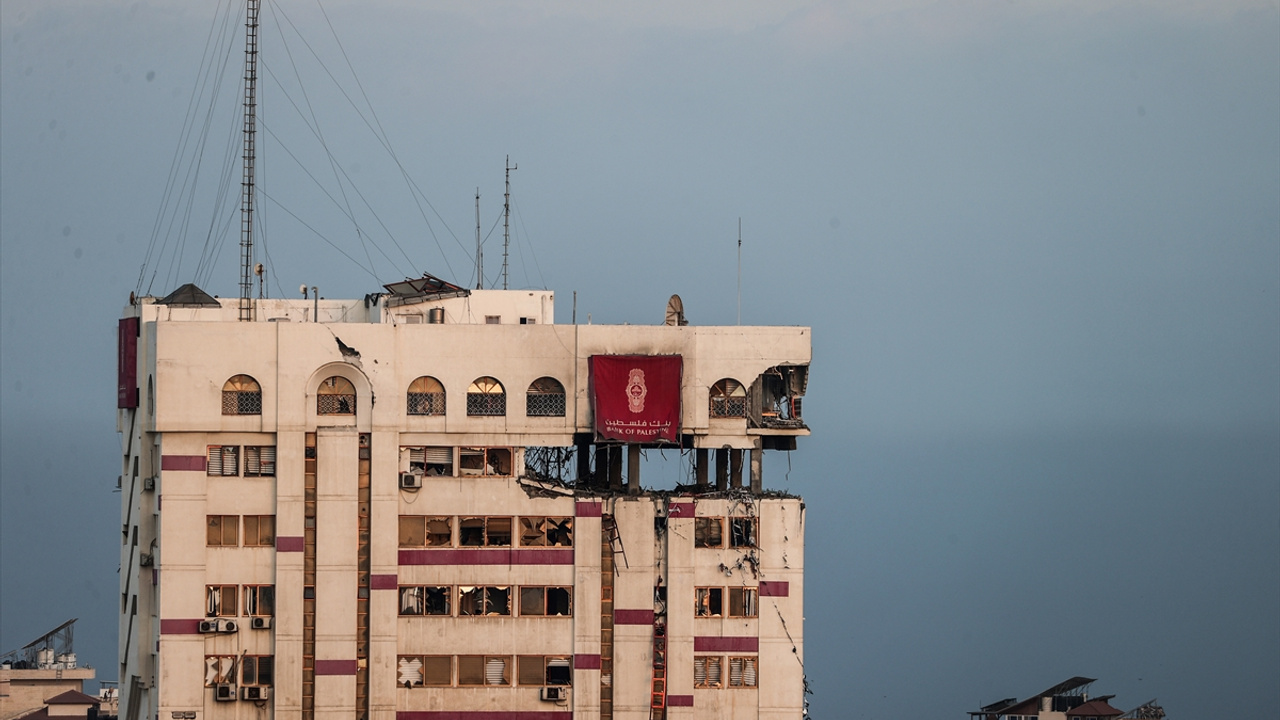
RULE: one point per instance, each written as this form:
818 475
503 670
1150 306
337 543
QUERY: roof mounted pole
246 184
479 249
506 217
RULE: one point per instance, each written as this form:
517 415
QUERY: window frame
705 661
543 663
540 399
753 529
727 399
496 451
336 384
425 600
253 596
487 535
488 597
748 599
546 591
223 521
258 522
508 675
755 661
705 597
256 662
221 452
220 676
431 398
702 532
216 608
240 394
266 468
486 397
424 531
422 670
564 524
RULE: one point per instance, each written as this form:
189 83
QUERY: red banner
636 398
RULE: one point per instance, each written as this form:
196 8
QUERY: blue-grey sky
1038 243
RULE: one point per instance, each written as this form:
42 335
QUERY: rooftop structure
1068 700
41 669
428 502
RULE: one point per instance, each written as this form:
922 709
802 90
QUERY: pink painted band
726 644
680 510
679 701
383 582
632 617
191 463
336 667
586 662
487 557
774 588
290 544
180 627
588 509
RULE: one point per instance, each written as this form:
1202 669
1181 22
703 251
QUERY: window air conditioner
255 693
149 483
260 623
208 626
410 481
555 693
224 692
146 560
228 626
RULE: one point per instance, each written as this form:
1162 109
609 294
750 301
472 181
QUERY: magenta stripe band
487 557
336 667
679 701
483 715
586 662
680 510
632 617
180 627
726 644
774 588
290 544
193 463
588 509
383 582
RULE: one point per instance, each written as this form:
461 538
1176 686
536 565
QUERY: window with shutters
710 602
545 398
489 462
426 600
546 532
428 670
425 397
259 461
478 601
484 532
222 530
486 397
420 531
260 600
728 399
742 602
543 670
257 670
706 671
219 669
220 600
336 396
259 530
223 460
742 671
538 600
431 461
708 532
241 395
494 670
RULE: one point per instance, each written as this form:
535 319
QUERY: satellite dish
675 311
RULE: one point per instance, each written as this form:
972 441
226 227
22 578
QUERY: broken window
742 532
710 602
223 530
223 460
545 398
241 395
494 462
425 397
708 532
728 399
426 600
430 670
537 600
543 670
742 602
259 530
546 532
408 671
742 672
336 396
484 600
220 601
258 670
484 670
706 671
484 532
486 397
419 531
219 669
775 397
259 461
433 461
260 600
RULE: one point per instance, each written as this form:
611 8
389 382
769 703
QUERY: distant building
426 504
42 669
1068 700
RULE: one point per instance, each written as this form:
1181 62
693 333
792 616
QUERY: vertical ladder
609 528
658 696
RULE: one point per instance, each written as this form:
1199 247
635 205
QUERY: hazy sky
1038 243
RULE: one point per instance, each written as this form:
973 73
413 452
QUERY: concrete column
584 463
601 477
735 468
722 468
700 466
757 468
633 469
615 467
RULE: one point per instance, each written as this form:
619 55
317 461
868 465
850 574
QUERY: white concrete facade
337 533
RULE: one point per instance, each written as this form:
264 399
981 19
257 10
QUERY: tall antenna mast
739 270
506 218
246 184
479 250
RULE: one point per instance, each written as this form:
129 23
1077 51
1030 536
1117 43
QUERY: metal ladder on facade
658 695
609 528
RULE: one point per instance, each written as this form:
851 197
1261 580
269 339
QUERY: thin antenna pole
739 270
250 131
506 217
479 250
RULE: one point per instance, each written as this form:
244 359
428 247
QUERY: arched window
486 396
545 398
426 397
336 396
728 399
241 395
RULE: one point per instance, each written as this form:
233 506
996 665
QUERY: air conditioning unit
410 481
260 623
228 626
149 483
555 694
146 560
255 693
796 404
224 692
208 626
